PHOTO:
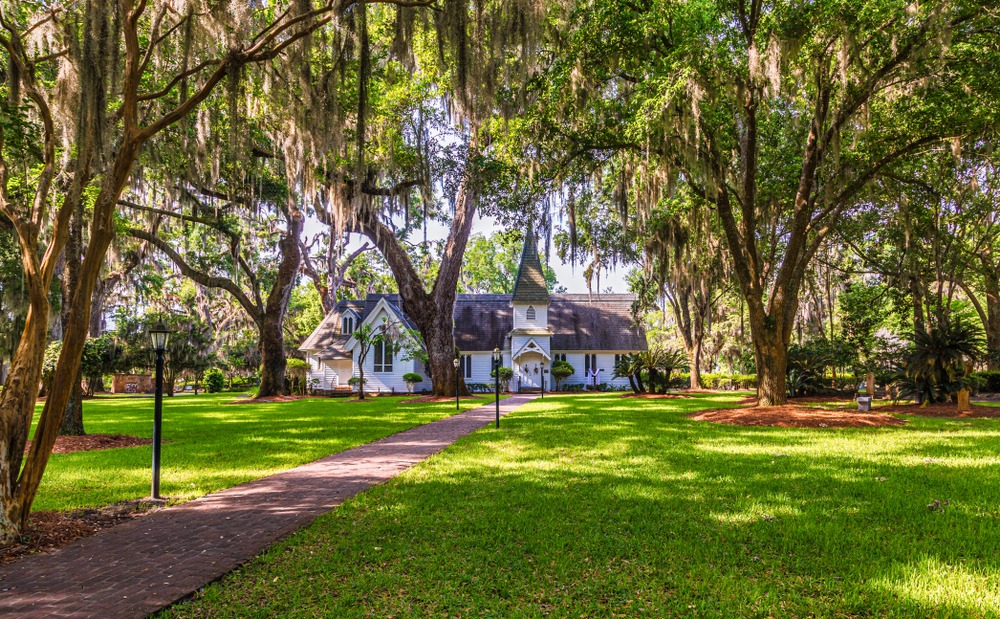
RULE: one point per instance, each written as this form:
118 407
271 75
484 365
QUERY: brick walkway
142 566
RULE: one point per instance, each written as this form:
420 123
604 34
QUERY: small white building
531 327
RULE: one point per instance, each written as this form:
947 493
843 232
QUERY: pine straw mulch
50 530
795 416
94 442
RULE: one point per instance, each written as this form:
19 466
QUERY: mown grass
599 506
211 444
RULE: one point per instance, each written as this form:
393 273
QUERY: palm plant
630 366
937 363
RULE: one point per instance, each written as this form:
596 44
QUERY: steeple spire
530 284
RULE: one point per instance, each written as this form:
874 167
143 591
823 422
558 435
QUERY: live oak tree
426 97
85 87
779 115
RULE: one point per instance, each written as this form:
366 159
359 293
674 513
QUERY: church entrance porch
528 371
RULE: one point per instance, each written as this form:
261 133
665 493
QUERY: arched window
348 324
530 314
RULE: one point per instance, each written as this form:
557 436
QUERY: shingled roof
328 337
530 284
483 321
577 322
594 322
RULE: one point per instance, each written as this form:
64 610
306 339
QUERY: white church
531 327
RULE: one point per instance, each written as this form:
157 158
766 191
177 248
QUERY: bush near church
411 379
215 380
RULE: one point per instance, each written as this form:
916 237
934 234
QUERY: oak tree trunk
993 321
272 335
432 312
695 355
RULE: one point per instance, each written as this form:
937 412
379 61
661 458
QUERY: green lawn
598 506
211 444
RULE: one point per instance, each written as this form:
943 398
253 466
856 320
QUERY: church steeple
530 284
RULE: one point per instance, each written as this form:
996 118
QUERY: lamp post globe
159 336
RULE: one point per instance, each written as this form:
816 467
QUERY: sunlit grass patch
601 506
211 444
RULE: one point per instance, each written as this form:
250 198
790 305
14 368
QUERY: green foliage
862 312
411 379
988 381
490 264
215 380
305 312
937 363
506 375
296 371
807 365
561 370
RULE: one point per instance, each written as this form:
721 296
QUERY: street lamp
159 334
496 378
543 379
455 362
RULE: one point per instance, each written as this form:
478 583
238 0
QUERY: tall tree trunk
433 312
695 356
993 320
72 423
272 358
272 335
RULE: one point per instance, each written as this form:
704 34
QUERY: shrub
215 380
355 382
412 378
561 370
988 381
935 367
506 374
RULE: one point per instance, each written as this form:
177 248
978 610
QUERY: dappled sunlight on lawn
210 444
598 505
944 588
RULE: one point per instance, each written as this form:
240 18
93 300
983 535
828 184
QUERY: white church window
383 357
466 364
530 314
347 324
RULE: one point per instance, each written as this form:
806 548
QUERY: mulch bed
94 442
794 416
944 409
49 530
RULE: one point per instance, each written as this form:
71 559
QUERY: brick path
139 567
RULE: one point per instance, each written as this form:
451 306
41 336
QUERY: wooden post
870 384
964 405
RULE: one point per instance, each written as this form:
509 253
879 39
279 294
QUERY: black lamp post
159 334
496 378
543 379
455 362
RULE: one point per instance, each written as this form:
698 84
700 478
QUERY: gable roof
529 287
328 333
